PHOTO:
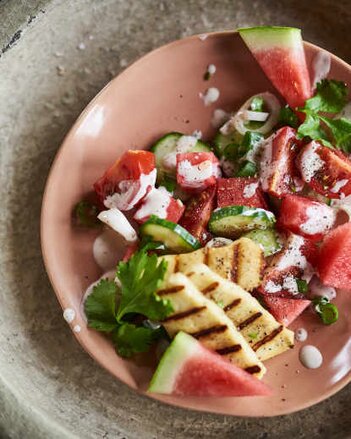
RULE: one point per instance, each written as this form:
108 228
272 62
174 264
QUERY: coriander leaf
331 97
140 278
341 132
130 339
85 214
100 306
302 286
288 117
311 128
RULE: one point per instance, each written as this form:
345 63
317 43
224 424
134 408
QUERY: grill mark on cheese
171 290
210 288
253 369
234 267
176 264
206 257
232 305
184 314
229 349
218 329
268 338
249 320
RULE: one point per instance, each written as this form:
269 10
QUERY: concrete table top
56 55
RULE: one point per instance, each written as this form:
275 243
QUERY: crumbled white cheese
338 185
310 162
219 117
115 219
210 96
250 190
131 192
320 218
155 203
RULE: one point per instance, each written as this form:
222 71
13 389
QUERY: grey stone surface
49 387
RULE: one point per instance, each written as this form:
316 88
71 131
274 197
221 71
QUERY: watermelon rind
267 37
182 347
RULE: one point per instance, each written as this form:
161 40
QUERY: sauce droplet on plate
311 357
69 315
301 334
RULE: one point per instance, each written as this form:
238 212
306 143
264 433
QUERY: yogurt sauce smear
321 66
311 357
301 334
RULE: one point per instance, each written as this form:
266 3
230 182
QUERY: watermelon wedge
280 53
187 368
285 310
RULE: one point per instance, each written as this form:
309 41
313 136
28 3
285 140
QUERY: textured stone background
49 387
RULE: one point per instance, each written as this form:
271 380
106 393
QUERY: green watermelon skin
189 369
280 53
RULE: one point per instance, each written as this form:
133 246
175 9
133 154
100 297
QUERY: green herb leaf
169 183
341 132
331 97
130 339
253 335
302 286
257 104
86 213
288 117
100 306
250 140
311 128
247 169
140 278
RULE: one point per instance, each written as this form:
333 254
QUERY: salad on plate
229 240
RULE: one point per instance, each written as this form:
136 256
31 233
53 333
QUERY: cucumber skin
270 245
260 219
187 242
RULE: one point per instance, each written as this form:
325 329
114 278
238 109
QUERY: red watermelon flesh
280 53
334 262
285 310
240 191
187 368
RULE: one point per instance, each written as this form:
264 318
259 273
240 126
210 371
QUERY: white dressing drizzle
338 185
301 334
311 357
210 96
219 117
310 162
156 203
195 174
319 219
317 288
69 315
250 190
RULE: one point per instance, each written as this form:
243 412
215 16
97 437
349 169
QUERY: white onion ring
237 121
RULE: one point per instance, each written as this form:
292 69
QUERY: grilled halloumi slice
241 262
266 336
203 319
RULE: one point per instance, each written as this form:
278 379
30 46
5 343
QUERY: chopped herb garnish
207 76
86 214
257 104
328 312
302 286
288 117
169 183
253 335
140 278
220 303
331 97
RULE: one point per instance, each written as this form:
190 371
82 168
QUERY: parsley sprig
330 98
114 309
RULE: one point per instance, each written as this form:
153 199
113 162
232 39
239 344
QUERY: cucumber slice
221 142
267 239
168 144
232 221
173 236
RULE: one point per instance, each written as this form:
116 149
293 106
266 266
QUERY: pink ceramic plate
158 94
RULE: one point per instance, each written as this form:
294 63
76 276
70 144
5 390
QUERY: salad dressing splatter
311 357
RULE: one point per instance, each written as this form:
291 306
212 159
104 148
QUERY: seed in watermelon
187 368
285 310
280 53
334 263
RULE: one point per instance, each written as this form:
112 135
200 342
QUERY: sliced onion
256 116
239 119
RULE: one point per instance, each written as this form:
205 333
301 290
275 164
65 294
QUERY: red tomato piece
197 214
278 173
197 170
240 191
305 217
159 202
334 263
128 180
285 310
326 170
